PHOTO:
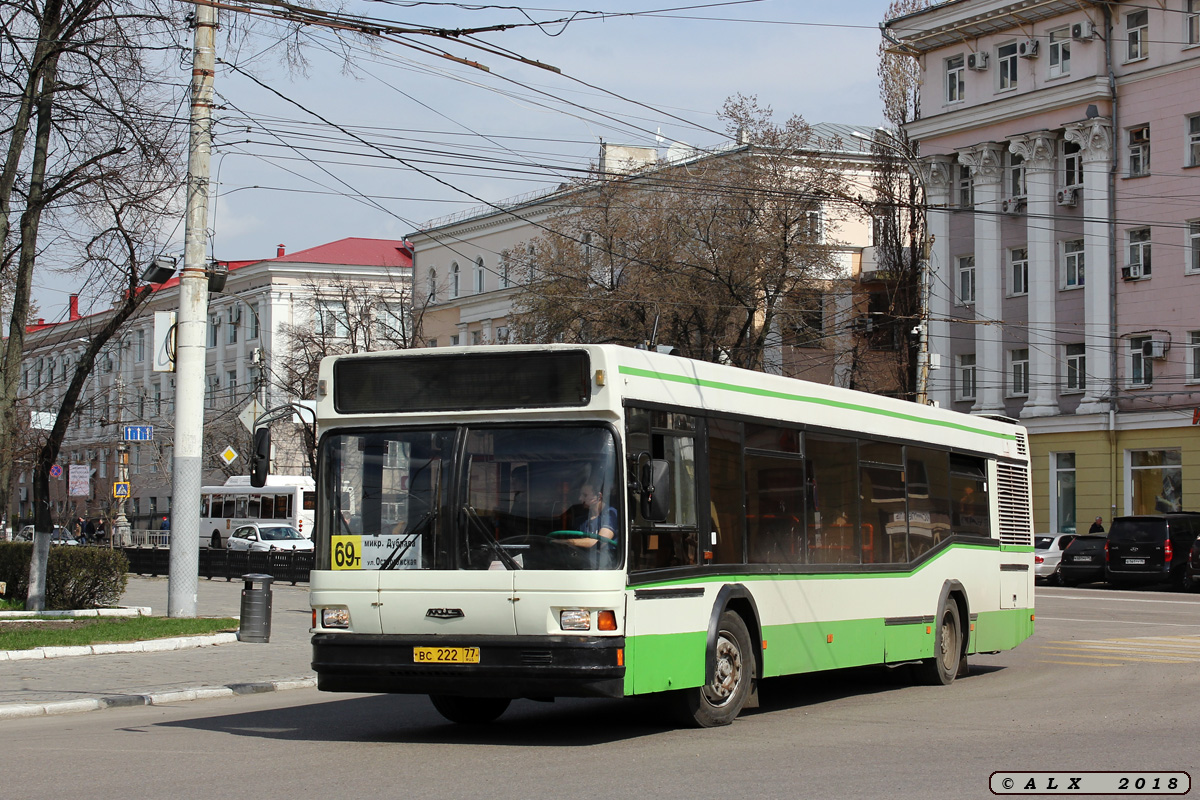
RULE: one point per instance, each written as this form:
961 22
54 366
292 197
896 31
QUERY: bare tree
84 119
704 255
337 317
897 302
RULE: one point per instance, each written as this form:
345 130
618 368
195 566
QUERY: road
1109 681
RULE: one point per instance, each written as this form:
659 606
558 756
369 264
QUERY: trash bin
256 609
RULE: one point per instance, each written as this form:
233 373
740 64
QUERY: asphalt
218 668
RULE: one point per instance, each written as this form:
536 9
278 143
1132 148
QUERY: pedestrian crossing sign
121 489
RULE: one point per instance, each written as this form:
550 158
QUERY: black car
1191 570
1151 548
1083 560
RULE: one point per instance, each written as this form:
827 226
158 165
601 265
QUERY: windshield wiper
488 541
413 533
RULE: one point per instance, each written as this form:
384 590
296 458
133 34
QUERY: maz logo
445 613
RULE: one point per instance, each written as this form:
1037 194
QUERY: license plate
1083 558
446 655
1132 561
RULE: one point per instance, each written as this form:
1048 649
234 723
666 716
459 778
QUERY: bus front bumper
508 666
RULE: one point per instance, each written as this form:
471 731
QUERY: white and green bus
570 520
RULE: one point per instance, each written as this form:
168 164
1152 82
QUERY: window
233 319
1060 52
966 377
1018 384
502 334
1193 356
808 327
1135 35
1073 263
1193 246
955 79
965 186
1014 168
1006 56
231 385
332 319
1155 481
1191 22
211 384
1139 151
255 320
1141 370
433 285
476 337
1139 250
966 280
454 340
214 322
139 347
480 275
1063 466
1193 141
454 280
1076 362
1072 165
1018 260
505 269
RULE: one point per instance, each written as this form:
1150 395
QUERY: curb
148 646
23 710
128 611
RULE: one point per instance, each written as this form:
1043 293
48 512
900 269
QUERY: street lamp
898 148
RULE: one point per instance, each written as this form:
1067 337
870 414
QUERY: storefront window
1155 481
1064 492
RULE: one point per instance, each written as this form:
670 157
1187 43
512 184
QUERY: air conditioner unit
1155 348
869 275
977 61
1013 205
1083 31
1028 48
1068 197
1133 272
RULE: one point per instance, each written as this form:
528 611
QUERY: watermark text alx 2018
1090 783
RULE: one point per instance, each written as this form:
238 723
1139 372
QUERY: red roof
354 251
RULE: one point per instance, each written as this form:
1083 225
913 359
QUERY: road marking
1127 600
1145 649
1118 622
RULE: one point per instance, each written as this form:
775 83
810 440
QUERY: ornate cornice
1094 137
1037 148
936 173
985 160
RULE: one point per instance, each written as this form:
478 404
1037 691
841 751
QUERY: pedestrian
1097 526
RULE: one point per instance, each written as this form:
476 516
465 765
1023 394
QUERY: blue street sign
121 489
139 433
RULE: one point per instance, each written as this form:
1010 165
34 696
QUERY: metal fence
282 565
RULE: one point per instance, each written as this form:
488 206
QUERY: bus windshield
472 498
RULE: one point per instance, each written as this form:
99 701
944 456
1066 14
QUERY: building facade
1060 140
255 321
464 266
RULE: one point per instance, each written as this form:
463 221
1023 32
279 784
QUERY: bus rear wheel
947 649
469 710
721 699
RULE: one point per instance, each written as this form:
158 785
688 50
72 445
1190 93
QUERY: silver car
1048 550
259 536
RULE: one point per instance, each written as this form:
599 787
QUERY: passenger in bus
601 520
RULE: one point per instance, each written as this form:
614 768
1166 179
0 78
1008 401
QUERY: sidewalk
90 682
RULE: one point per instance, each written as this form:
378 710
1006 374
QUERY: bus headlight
335 618
575 619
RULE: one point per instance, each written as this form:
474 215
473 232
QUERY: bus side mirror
260 457
656 490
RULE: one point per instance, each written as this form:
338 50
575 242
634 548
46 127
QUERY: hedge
76 577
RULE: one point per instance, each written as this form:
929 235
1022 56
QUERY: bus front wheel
721 699
469 710
947 649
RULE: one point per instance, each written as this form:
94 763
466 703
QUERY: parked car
259 537
59 535
1047 553
1083 560
1191 570
1150 548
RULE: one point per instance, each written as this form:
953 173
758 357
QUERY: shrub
76 577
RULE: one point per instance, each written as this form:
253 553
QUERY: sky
373 137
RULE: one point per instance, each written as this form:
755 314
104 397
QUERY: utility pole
191 323
923 346
120 531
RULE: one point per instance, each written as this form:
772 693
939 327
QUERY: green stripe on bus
798 398
727 577
663 662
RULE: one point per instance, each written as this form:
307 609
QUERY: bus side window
670 437
968 493
205 501
253 507
242 502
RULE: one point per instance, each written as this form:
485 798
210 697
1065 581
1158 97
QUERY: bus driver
601 520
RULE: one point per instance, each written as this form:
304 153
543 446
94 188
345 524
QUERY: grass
59 633
11 605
